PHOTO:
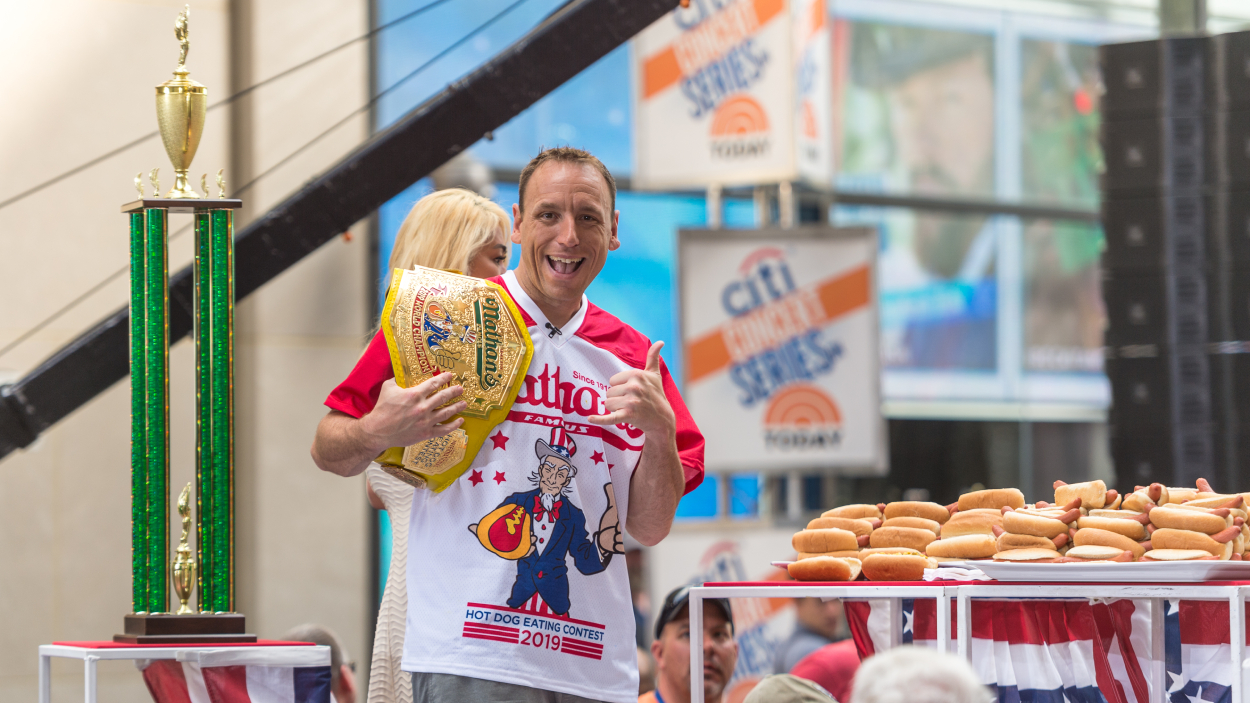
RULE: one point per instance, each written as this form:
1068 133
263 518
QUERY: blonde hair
446 228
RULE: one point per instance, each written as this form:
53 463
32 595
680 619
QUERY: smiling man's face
566 228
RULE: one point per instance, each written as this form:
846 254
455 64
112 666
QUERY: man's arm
637 397
345 445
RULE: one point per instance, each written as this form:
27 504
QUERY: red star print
610 466
597 457
476 477
499 477
501 442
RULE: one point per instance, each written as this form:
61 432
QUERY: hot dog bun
896 567
826 540
1132 529
857 527
1177 555
911 537
916 522
1009 541
1093 494
864 553
973 546
1096 552
1105 538
1028 556
825 569
993 498
1168 538
1021 523
1179 518
852 554
855 511
917 508
972 522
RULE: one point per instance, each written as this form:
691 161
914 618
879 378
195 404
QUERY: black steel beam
567 42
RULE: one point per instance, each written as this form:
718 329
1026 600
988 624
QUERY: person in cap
630 450
671 649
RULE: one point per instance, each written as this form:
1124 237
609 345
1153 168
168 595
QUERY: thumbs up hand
637 397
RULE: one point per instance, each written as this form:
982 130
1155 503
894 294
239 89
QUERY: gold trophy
183 570
181 104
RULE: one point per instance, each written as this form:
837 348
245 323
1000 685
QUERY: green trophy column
138 415
204 475
156 407
215 296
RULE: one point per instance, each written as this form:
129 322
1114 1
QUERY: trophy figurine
181 104
184 566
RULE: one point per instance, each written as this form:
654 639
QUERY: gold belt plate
444 322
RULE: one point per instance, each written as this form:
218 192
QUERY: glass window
916 109
1059 113
1063 309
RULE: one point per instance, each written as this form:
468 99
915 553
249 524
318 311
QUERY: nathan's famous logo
802 417
775 337
740 128
487 314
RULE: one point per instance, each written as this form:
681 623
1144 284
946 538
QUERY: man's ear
516 224
614 242
657 651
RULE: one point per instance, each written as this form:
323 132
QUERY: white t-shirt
561 618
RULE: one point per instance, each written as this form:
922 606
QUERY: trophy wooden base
199 628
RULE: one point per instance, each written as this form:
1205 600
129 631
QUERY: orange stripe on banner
837 296
662 69
765 10
659 72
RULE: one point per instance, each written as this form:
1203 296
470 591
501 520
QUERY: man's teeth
564 265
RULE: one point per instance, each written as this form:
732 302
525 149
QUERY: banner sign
781 348
714 95
813 93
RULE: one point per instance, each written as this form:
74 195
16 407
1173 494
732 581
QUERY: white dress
388 683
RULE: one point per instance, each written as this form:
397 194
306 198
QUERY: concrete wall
80 84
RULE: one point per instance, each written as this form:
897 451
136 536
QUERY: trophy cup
181 105
180 109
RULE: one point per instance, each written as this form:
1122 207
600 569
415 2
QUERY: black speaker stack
1176 269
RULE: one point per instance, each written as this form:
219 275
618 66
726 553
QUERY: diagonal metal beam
567 42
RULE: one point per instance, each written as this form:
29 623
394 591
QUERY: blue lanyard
658 697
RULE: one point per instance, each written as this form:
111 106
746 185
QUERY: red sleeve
357 395
689 438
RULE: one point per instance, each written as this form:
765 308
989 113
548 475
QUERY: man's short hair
917 675
320 634
566 155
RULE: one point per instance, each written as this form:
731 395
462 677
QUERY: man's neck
558 313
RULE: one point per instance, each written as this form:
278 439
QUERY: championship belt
442 322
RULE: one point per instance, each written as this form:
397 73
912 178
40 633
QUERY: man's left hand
637 397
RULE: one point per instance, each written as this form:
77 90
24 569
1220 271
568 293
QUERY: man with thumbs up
606 390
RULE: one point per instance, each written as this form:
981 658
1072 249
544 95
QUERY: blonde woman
450 229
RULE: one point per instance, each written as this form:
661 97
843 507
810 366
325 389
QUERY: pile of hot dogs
1085 523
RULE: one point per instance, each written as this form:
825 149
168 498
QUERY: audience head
787 688
917 675
671 647
454 229
824 617
342 668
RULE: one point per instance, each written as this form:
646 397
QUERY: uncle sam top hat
562 446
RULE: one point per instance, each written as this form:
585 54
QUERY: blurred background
965 135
